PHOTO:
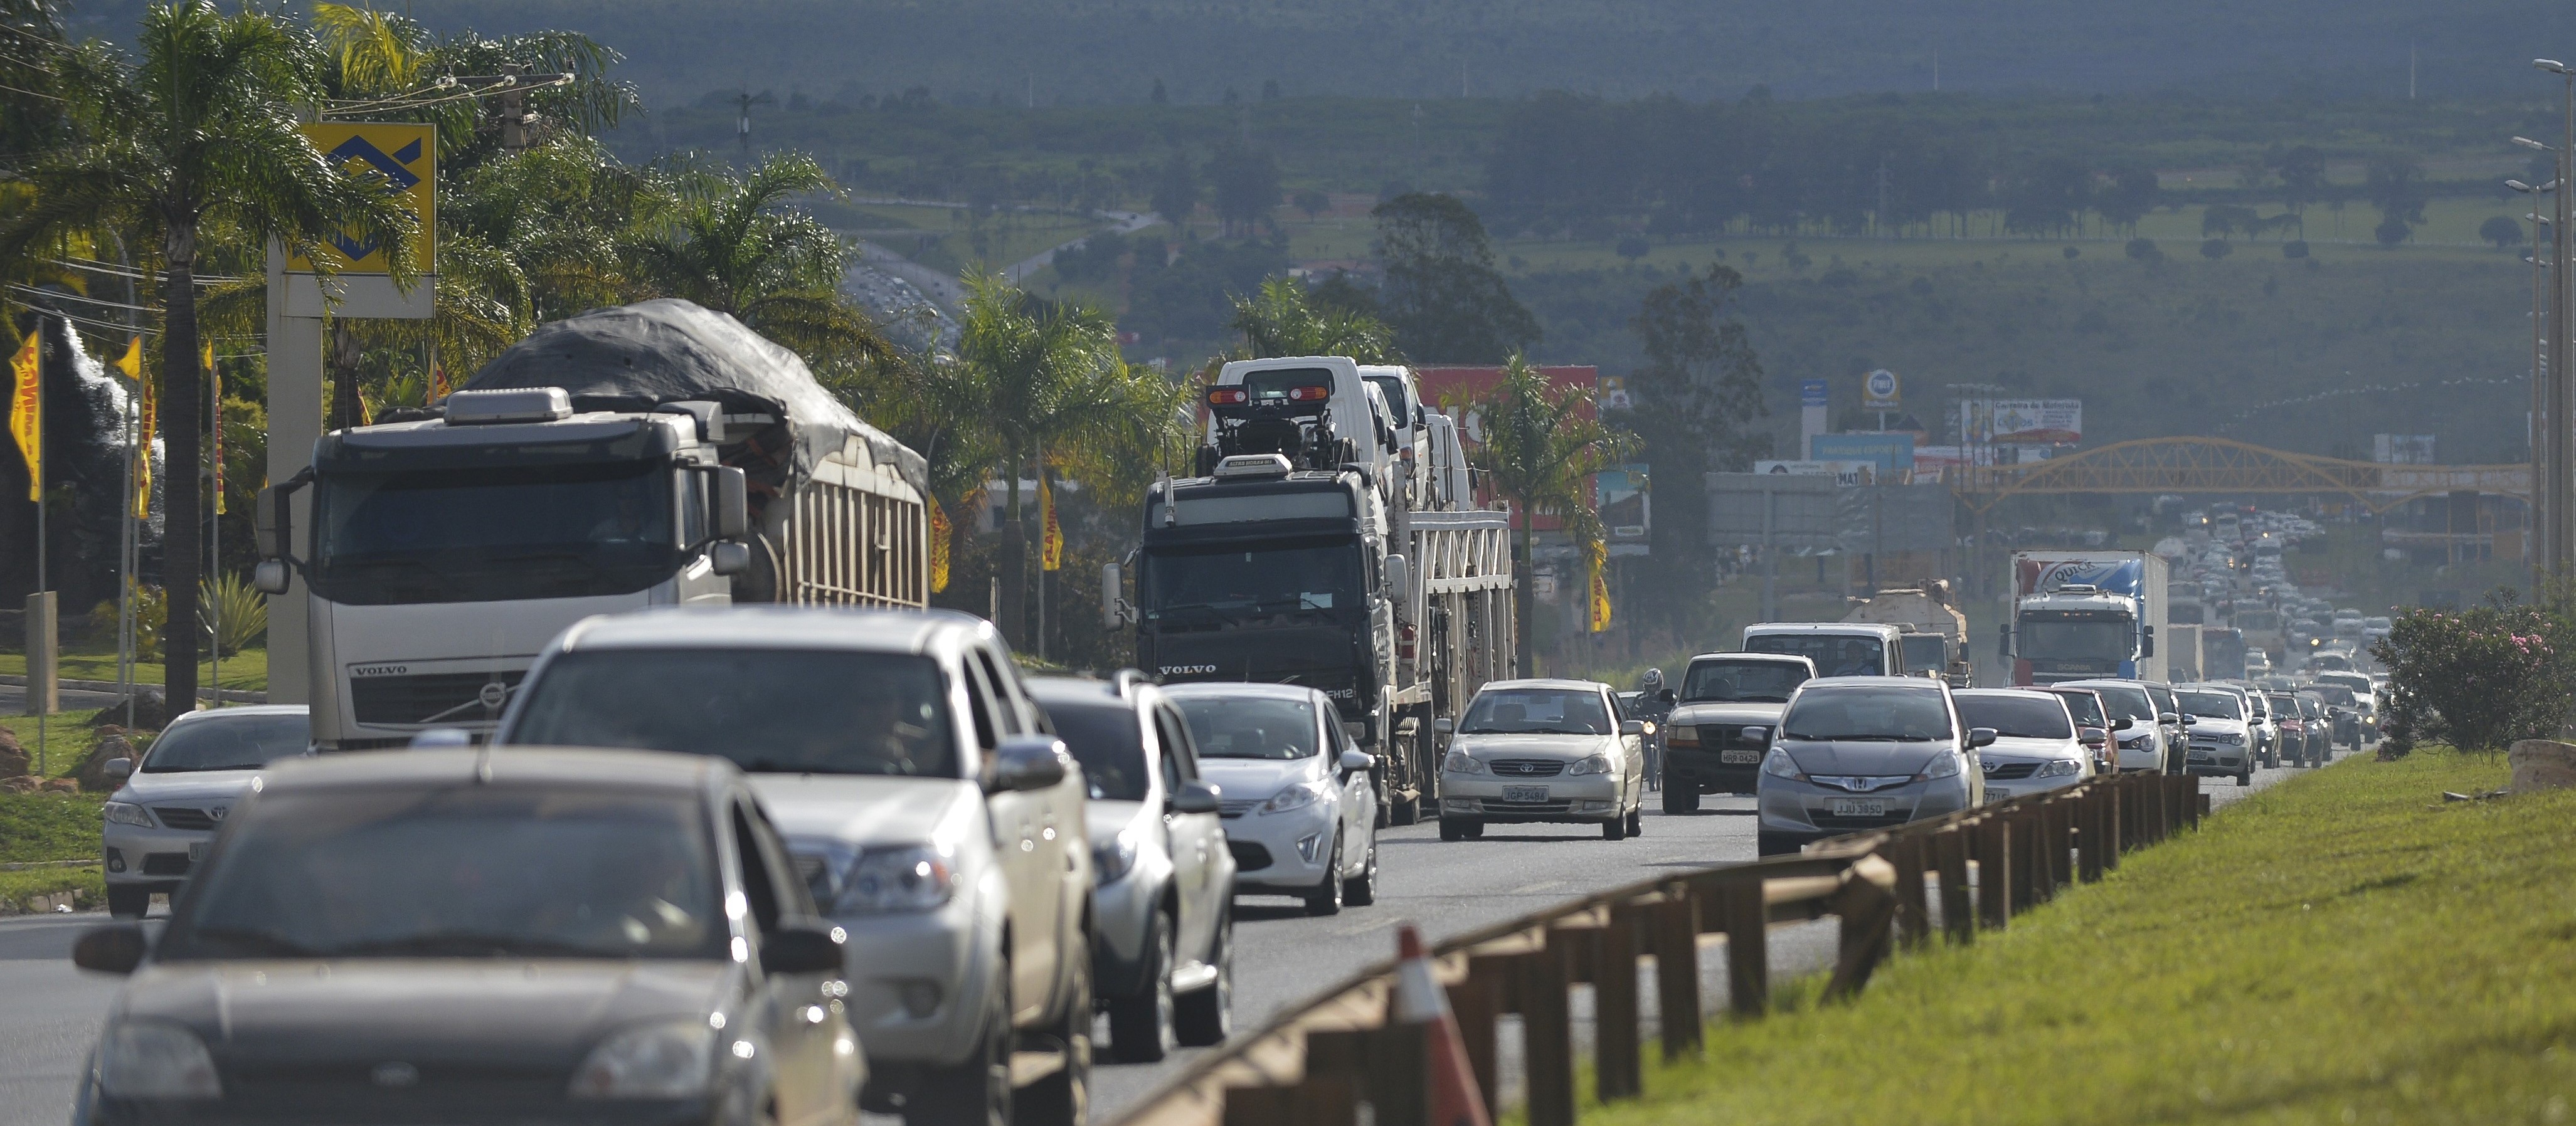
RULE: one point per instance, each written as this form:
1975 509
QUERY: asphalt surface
50 1012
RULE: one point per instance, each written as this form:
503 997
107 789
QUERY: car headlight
1595 764
1460 762
2231 738
1941 766
2059 769
663 1060
1778 765
1295 795
902 878
128 813
1110 859
146 1059
1681 734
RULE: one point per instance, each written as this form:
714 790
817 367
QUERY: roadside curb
231 695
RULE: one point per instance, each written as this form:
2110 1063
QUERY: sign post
1812 401
299 300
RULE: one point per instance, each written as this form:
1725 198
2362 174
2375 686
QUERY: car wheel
1361 890
1616 828
1142 1025
2245 778
1774 844
126 902
1326 899
1203 1017
1637 820
979 1089
1681 797
1064 1098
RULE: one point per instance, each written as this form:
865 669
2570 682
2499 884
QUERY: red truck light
1226 396
1309 394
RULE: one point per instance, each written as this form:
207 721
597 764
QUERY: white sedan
1543 751
2036 746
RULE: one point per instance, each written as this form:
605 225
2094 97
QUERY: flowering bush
2477 679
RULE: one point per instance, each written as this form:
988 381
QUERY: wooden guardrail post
1958 909
1547 1033
1913 905
1993 840
1867 906
1618 1062
2059 814
1748 958
1476 1003
2090 829
1676 942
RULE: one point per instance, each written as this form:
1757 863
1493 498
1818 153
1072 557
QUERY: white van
1837 648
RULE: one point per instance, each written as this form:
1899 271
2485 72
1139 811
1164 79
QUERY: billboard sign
1620 494
2402 449
2022 422
1880 391
1891 455
1811 393
405 157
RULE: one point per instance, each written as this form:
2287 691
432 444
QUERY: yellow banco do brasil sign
406 156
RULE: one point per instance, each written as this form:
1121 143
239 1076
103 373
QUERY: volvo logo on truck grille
1189 670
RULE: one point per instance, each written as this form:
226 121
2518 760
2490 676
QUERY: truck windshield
1760 682
1925 652
483 535
1230 581
779 711
1834 654
2049 637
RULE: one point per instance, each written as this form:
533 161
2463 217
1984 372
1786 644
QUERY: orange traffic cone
1455 1099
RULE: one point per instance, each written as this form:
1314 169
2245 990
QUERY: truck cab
2075 632
1834 648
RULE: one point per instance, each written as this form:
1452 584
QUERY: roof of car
2033 691
1839 683
1081 691
1821 627
1747 655
572 767
1202 689
233 711
1544 682
770 627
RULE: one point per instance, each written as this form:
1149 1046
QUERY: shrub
2295 248
2144 250
2215 249
2477 679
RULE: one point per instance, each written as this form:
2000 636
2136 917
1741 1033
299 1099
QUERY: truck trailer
1924 610
2079 615
649 455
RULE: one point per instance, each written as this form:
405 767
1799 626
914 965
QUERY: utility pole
514 109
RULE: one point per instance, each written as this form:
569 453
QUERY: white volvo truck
649 455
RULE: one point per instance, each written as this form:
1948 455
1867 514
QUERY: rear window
1108 744
1765 682
2017 717
1833 654
1867 714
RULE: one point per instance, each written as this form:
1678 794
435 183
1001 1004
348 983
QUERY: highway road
50 1012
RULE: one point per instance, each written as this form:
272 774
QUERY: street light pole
2562 342
2536 538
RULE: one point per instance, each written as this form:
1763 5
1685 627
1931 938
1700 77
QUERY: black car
454 936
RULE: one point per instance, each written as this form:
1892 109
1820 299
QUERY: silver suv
928 806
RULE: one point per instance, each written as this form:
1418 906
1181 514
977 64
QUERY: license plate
1854 807
1740 757
1524 793
197 851
1997 793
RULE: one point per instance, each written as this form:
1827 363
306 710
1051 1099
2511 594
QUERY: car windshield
483 871
2283 706
1833 654
1311 577
2335 694
1536 711
1106 741
487 534
1263 727
2086 708
1765 682
786 711
2016 717
217 741
1867 713
2218 705
2126 702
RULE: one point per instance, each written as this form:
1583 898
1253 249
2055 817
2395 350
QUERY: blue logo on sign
1811 393
399 178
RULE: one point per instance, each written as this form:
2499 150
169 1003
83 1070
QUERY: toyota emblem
218 813
492 695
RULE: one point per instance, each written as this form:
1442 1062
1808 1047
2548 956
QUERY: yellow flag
437 385
1051 548
1600 586
150 414
131 363
215 378
939 536
27 414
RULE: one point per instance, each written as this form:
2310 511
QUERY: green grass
2342 948
247 670
15 887
38 827
67 741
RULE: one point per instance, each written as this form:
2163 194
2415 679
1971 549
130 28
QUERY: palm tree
1037 377
1284 320
200 135
1543 443
729 244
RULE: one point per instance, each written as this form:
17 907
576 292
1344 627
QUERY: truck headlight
128 813
1295 795
663 1060
1681 734
1110 859
902 878
1595 764
2059 768
150 1059
1460 762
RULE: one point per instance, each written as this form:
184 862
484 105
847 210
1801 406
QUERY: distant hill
1085 51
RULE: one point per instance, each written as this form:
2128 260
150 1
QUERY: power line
34 94
58 295
97 267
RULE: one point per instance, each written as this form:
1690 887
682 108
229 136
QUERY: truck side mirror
732 503
1444 725
1399 577
1114 610
728 557
270 576
2147 644
270 516
2003 639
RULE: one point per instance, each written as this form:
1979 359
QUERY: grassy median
2342 948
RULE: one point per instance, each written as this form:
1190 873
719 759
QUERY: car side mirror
1981 736
117 770
1358 760
732 503
729 557
2189 719
1194 797
2168 719
1760 735
1667 696
801 946
1444 725
2123 723
1025 762
113 949
1632 727
2092 736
